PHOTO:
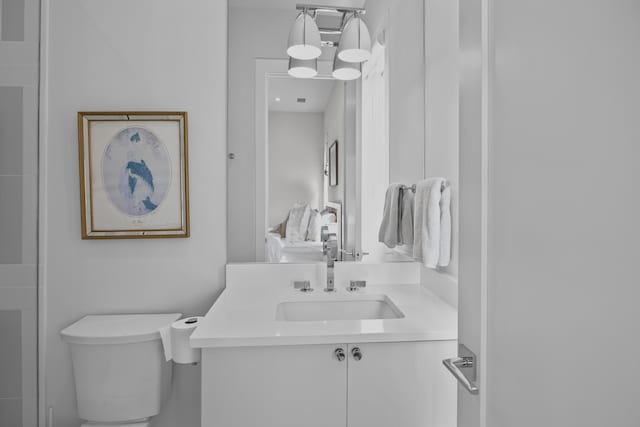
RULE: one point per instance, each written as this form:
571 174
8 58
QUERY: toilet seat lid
118 328
135 424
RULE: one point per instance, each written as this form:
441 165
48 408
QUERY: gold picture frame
134 174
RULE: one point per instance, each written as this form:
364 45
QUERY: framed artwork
333 164
133 174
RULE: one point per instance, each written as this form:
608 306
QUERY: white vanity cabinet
279 386
400 384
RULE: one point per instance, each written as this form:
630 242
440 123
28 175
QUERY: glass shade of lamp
304 38
355 42
303 69
346 70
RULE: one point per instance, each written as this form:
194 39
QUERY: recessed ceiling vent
302 100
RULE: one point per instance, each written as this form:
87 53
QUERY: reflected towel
432 223
406 217
389 233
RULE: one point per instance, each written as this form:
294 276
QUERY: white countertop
246 316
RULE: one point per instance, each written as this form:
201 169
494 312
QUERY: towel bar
444 185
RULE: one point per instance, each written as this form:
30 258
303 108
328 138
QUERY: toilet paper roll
175 340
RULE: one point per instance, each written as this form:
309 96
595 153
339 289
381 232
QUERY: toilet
120 372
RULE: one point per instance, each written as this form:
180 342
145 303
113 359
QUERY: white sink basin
371 308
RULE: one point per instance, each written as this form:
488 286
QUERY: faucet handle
351 253
303 285
354 285
324 233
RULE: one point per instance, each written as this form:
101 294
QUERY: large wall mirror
314 152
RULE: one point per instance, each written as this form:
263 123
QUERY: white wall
122 55
253 34
403 21
442 60
563 213
423 59
296 156
334 131
374 154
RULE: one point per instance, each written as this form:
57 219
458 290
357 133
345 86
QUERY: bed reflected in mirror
305 120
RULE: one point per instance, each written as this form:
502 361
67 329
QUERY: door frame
476 56
487 68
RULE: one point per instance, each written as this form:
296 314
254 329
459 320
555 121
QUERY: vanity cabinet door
401 384
279 386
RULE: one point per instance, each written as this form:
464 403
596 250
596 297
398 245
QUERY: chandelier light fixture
304 38
327 26
355 42
346 70
303 68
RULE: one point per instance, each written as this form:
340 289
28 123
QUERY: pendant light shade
355 43
346 70
304 38
303 68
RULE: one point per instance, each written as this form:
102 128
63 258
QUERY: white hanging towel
432 223
406 218
389 233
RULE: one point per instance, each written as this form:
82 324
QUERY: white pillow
315 225
298 222
328 218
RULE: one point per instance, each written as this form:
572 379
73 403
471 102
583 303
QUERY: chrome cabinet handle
356 353
339 352
466 361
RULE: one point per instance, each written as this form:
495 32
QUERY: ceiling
316 92
291 4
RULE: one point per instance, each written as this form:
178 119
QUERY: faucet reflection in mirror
418 220
330 251
323 26
300 237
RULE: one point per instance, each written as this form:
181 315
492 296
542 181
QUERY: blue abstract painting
136 171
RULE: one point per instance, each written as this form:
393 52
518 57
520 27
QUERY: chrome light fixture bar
330 9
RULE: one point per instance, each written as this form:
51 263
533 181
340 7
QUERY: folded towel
406 218
389 233
432 223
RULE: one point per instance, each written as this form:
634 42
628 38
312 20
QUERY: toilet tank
119 366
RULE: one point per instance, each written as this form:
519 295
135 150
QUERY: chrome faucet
330 251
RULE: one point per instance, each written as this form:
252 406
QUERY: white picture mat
106 217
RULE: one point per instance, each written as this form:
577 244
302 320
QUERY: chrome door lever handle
453 365
467 361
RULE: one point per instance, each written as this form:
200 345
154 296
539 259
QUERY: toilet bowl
121 376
